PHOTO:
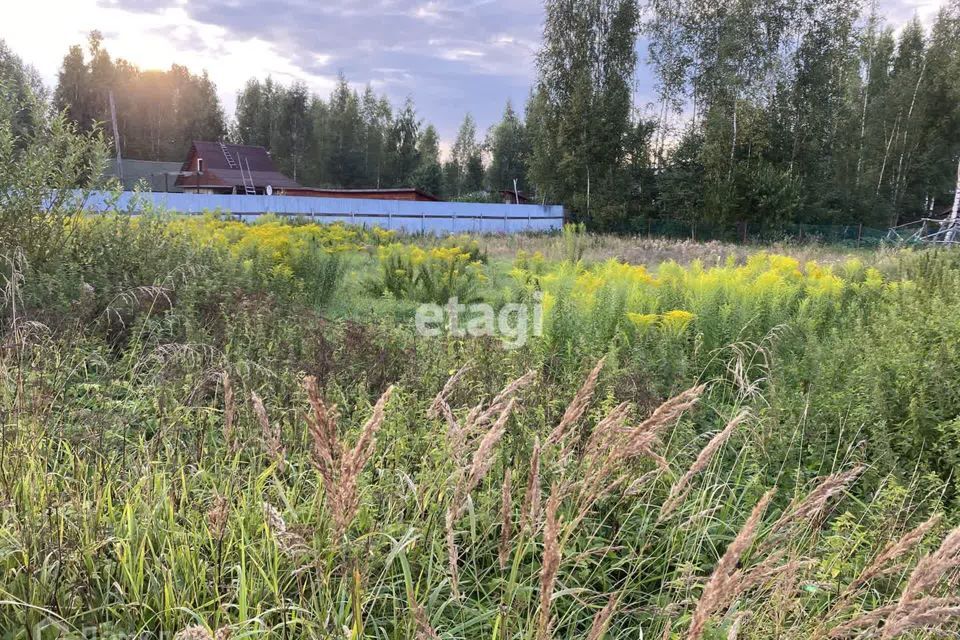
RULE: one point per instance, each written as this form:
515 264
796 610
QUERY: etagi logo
514 323
51 628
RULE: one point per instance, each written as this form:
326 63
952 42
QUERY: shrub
40 167
429 275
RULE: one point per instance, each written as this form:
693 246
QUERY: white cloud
152 40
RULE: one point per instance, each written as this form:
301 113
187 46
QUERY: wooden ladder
229 156
248 187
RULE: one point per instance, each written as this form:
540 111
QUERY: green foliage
40 168
509 153
140 493
433 275
159 112
573 241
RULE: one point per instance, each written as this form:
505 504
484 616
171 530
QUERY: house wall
408 216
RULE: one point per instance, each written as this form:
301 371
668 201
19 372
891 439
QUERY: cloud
451 56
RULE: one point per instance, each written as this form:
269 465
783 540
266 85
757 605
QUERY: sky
451 56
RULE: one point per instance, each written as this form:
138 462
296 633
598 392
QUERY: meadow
214 430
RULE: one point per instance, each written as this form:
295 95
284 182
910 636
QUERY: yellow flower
643 320
677 321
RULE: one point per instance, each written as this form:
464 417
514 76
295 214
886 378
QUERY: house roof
222 166
334 192
515 195
159 176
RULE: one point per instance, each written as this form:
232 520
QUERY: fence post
693 230
745 224
859 234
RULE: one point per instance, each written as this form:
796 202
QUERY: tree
582 106
345 161
466 169
21 87
377 116
158 112
403 139
508 152
428 147
429 174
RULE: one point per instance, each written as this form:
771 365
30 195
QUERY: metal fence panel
409 216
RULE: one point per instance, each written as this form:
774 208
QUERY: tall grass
133 528
188 445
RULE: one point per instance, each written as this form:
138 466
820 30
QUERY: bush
429 275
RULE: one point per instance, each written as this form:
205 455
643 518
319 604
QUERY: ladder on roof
229 156
248 187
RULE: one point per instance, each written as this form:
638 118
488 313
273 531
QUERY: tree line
158 112
766 112
354 139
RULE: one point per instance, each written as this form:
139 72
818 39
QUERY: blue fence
411 217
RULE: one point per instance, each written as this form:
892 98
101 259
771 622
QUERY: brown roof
217 170
515 195
389 194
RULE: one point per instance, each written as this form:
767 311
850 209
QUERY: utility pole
116 135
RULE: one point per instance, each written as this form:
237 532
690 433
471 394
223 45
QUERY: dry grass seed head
506 519
453 555
194 632
423 629
483 458
576 408
530 510
271 432
724 587
679 491
602 620
550 564
436 408
322 424
883 563
290 543
344 496
218 515
808 511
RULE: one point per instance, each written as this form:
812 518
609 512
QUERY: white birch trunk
952 232
886 153
903 148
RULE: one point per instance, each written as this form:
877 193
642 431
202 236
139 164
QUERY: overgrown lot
217 428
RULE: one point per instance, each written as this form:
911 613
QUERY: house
509 196
159 177
220 168
402 193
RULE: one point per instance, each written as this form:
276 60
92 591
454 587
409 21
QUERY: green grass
114 455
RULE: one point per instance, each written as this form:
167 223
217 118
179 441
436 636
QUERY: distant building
216 167
509 196
401 193
159 177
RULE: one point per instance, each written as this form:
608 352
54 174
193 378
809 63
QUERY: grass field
212 429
